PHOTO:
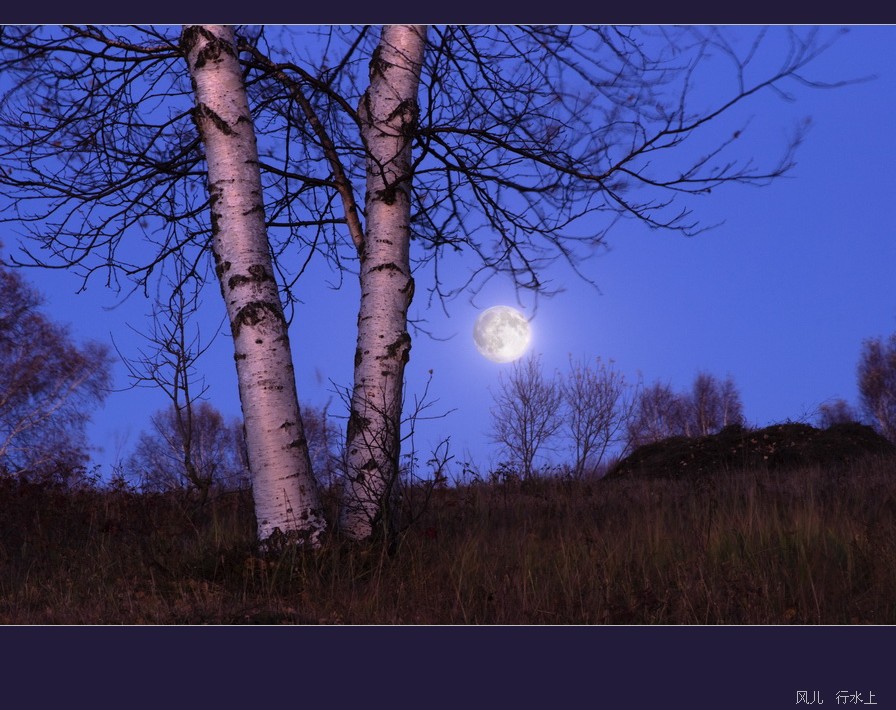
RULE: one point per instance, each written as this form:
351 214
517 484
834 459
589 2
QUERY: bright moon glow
502 333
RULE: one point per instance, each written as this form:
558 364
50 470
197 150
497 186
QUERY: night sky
779 295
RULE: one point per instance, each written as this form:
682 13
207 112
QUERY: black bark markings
214 48
402 344
204 111
221 267
378 65
408 110
257 274
356 423
389 266
254 313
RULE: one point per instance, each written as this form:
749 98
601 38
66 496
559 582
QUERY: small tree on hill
712 406
657 414
837 411
527 413
877 384
660 412
598 403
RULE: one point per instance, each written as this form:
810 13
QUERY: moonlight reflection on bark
502 334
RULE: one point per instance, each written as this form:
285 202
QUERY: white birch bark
388 112
284 488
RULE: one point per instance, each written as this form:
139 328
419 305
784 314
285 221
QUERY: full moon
502 333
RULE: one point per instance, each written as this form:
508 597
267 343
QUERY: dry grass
811 546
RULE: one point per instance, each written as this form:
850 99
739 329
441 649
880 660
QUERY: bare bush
837 411
212 455
209 455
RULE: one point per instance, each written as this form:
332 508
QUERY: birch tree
284 488
388 113
659 413
378 135
122 137
713 405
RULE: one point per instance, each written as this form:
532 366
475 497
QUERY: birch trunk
284 489
388 113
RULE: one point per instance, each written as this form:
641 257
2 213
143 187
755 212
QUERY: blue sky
779 296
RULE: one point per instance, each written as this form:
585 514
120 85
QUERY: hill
773 448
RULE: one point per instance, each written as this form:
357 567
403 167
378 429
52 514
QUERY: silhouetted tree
48 386
184 430
527 413
597 406
877 384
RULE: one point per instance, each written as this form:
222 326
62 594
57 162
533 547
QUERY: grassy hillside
813 545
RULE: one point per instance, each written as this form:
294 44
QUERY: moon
502 333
